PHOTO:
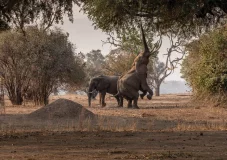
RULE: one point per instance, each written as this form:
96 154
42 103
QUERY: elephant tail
118 93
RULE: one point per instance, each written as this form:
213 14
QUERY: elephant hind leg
135 99
135 105
129 103
120 101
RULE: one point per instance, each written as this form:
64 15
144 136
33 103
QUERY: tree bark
157 90
15 96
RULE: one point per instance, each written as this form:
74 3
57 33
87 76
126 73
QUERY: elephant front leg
100 98
143 94
103 94
145 86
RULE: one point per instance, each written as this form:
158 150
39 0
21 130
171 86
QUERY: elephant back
113 84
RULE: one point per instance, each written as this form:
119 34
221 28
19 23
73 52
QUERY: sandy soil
167 127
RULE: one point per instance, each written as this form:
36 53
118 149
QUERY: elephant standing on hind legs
104 84
135 79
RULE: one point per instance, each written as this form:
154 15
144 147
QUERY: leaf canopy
187 17
28 11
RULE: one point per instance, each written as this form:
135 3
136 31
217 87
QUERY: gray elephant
104 84
135 79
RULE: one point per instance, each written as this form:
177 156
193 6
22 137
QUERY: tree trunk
15 96
45 99
16 100
157 90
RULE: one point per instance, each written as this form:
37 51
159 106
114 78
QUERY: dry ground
167 127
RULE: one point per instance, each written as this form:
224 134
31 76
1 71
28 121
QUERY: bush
205 66
35 64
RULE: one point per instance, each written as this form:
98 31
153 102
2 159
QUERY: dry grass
165 113
167 127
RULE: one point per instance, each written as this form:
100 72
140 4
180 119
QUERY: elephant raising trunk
135 79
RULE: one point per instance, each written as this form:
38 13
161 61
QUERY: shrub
205 66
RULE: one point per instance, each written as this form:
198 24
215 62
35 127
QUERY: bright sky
85 37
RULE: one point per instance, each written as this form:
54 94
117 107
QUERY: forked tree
159 71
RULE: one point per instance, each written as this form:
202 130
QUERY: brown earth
61 108
167 127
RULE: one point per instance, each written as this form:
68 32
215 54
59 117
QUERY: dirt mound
62 108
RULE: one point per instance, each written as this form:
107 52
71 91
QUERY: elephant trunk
90 92
89 99
146 49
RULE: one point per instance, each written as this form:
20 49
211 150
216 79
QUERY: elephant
135 79
104 84
94 94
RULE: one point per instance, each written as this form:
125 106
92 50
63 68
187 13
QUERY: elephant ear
103 84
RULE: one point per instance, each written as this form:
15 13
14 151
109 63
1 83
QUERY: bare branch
170 64
112 40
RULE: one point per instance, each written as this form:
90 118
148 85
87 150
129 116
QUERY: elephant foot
141 96
119 106
149 97
135 107
129 106
104 105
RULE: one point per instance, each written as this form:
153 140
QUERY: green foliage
130 44
38 63
94 64
23 12
130 40
185 17
118 62
205 67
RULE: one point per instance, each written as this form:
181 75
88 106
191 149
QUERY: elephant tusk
115 94
91 91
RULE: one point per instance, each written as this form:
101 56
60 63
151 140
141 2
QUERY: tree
78 78
95 61
26 12
205 67
15 64
118 62
157 74
55 65
187 17
129 44
158 71
37 63
129 40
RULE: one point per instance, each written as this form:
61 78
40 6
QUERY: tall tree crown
188 17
